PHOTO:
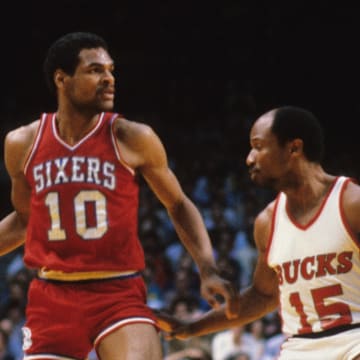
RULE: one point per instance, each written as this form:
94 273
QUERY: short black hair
64 54
291 122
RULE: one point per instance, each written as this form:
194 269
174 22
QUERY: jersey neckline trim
81 141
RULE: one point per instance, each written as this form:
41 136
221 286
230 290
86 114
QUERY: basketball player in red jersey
308 245
75 197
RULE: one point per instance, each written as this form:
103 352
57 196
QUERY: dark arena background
198 73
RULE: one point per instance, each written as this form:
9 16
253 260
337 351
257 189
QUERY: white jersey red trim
318 266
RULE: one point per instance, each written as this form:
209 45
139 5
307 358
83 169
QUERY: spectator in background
4 353
233 341
239 356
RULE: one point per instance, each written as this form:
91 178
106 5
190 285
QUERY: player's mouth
252 172
107 93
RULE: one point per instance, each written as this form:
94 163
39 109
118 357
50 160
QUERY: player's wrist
208 269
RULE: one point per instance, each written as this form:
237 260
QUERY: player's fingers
232 303
179 334
232 310
164 325
212 299
215 296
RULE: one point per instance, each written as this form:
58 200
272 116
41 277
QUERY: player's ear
59 77
296 146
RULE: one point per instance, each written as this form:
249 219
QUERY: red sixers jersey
84 202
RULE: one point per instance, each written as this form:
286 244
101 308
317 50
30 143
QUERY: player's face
267 160
92 87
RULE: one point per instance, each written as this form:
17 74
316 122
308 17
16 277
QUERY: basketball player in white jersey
308 245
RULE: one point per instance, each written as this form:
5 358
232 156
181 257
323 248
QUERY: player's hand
218 291
171 326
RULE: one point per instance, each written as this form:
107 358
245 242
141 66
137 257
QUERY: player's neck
73 128
309 195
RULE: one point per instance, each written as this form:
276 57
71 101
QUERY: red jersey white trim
84 204
87 136
117 149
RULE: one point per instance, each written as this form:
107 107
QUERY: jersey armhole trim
117 148
351 233
35 143
272 229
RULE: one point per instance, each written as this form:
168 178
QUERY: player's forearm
253 306
12 233
191 230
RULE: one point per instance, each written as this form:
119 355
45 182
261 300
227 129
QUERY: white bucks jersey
318 266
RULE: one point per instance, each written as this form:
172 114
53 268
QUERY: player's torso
84 202
317 265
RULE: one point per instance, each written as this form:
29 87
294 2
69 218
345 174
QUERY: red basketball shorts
69 319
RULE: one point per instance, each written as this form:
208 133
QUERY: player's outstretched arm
144 151
253 303
190 228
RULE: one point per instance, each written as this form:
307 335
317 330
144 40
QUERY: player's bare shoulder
350 204
138 142
23 135
132 131
18 143
262 226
